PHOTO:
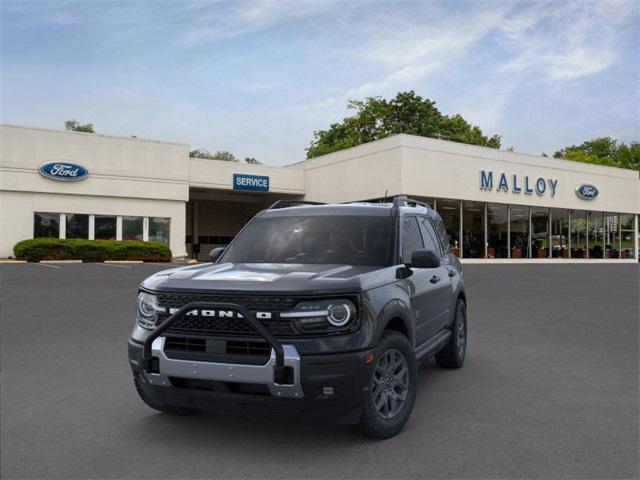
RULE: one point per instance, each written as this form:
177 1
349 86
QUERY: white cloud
400 79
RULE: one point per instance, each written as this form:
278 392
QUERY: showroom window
46 225
159 229
559 233
578 234
611 235
539 232
132 228
519 229
449 211
77 226
626 236
497 231
473 241
595 237
106 227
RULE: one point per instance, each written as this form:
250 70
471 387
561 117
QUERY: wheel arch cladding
395 316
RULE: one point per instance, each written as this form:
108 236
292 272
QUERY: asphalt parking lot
549 390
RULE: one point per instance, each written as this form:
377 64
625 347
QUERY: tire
452 355
394 352
168 409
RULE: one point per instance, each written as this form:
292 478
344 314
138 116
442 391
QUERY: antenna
385 196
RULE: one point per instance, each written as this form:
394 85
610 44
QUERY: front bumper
330 386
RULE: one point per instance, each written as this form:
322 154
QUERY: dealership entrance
214 217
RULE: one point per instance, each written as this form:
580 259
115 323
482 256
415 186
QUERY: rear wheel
452 355
171 410
392 389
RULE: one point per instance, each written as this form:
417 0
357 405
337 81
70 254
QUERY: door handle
435 279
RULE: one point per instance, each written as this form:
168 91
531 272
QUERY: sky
258 77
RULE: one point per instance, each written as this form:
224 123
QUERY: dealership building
498 206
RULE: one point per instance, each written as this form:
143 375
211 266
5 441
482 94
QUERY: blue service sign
63 171
586 191
250 182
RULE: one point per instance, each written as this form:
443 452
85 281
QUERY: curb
7 261
123 261
60 261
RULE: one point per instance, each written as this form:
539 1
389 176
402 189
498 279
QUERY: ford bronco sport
315 309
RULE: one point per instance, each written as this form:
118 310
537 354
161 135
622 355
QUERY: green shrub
36 249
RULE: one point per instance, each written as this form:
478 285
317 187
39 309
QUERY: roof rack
403 201
293 203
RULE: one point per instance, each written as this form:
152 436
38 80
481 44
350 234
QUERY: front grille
248 348
185 344
177 300
213 326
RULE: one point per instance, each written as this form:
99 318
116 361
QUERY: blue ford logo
64 171
586 191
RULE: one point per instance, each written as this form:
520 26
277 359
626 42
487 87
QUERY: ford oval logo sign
586 191
63 171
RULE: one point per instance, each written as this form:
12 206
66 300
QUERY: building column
635 237
92 227
145 229
118 227
63 225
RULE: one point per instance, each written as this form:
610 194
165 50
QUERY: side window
442 231
430 240
411 238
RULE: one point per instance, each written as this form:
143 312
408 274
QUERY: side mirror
424 259
214 254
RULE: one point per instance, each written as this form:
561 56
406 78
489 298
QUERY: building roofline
117 137
431 144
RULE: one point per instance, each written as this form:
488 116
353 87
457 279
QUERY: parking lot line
47 265
114 265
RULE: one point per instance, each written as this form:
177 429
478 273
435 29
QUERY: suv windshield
329 239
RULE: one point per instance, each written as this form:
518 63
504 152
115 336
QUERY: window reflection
559 233
46 225
611 235
77 226
626 238
159 229
105 227
519 231
578 234
132 228
596 235
473 229
539 232
497 228
449 211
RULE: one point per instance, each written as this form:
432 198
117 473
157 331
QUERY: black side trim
431 346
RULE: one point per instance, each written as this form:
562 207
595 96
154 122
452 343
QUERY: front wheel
452 355
392 389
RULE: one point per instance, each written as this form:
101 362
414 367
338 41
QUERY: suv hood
269 278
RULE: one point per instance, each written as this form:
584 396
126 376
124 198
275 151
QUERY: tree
252 161
377 118
75 126
219 155
604 151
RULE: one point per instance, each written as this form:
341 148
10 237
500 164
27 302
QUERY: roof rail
404 201
292 203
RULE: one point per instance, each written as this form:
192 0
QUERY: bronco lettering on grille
222 313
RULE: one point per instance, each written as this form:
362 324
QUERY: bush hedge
36 249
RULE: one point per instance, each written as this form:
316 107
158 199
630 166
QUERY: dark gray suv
314 309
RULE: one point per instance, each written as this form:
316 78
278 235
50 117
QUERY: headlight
324 315
147 313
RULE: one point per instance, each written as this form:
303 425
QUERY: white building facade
498 206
